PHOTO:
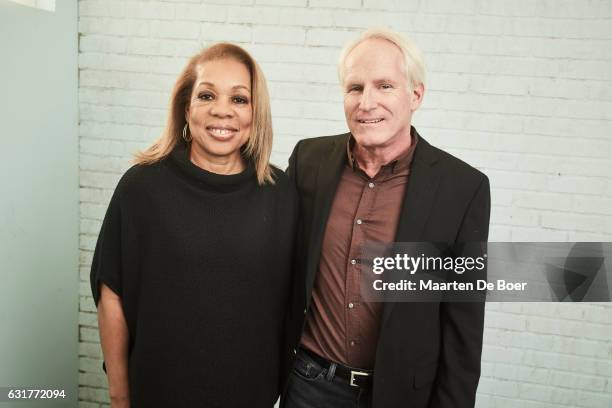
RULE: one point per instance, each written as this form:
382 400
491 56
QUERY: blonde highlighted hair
259 145
414 65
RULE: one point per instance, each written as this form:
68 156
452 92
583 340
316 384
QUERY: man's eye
205 96
386 86
240 99
354 89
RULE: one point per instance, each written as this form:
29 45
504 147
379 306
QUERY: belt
354 378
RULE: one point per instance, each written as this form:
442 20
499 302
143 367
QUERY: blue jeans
312 386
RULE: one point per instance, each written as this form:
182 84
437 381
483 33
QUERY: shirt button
359 222
353 262
352 343
305 310
351 305
294 351
371 185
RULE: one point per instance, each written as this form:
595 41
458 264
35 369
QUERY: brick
439 81
228 2
85 258
577 222
328 37
93 380
91 227
506 321
89 334
120 97
86 304
390 5
86 404
516 216
535 392
116 27
306 17
503 388
97 180
93 394
150 10
279 35
163 47
201 12
90 365
358 19
126 80
84 274
341 4
256 15
167 29
265 53
300 73
93 195
592 400
91 350
123 114
293 3
118 131
86 318
92 162
499 354
583 382
102 43
85 290
213 32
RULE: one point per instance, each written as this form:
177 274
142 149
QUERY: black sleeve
462 323
291 170
106 264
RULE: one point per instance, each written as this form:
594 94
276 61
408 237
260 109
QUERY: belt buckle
355 374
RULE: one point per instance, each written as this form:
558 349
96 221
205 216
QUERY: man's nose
368 99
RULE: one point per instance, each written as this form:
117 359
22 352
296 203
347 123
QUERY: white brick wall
521 89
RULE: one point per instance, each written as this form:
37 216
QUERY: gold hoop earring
185 138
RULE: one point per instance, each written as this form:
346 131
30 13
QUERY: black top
202 263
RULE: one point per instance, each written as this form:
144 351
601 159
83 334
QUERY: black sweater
202 263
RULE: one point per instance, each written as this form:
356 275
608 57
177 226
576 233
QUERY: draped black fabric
202 263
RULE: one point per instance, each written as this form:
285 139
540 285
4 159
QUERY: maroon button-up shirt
339 325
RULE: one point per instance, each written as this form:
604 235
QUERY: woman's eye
206 96
240 99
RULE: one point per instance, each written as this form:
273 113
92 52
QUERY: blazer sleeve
292 169
462 323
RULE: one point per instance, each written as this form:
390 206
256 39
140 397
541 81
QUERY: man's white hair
414 66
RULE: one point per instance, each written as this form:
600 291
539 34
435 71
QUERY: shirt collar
397 165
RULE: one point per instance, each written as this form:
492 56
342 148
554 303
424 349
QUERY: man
380 182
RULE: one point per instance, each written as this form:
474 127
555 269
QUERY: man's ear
417 96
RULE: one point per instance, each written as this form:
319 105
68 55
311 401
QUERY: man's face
378 101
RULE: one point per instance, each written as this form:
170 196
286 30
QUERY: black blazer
428 354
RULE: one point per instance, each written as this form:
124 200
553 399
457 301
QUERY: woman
192 267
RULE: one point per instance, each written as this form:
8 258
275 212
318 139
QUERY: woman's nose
221 108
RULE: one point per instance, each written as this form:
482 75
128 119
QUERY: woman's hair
414 66
259 145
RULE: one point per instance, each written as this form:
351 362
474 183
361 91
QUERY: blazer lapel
419 198
328 177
